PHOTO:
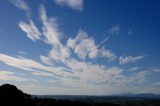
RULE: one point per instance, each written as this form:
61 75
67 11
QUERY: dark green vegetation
11 96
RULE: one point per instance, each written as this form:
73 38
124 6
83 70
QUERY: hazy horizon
80 47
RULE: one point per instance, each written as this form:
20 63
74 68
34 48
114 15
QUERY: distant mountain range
144 95
126 95
103 99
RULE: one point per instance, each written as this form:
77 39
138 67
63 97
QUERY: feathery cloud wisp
30 29
31 65
22 5
50 28
46 60
85 46
74 4
129 59
115 29
7 75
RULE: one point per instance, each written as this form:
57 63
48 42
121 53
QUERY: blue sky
80 47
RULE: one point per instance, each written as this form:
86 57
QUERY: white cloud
30 29
22 5
154 69
129 59
7 75
59 53
133 69
93 74
31 65
77 74
139 77
85 72
82 45
85 46
107 54
52 34
74 4
46 60
50 28
115 29
42 74
22 52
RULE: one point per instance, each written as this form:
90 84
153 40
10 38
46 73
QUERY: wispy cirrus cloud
22 5
46 60
52 33
82 45
22 52
42 74
78 71
133 68
7 75
115 29
30 29
107 54
73 4
85 46
154 69
30 65
129 59
50 28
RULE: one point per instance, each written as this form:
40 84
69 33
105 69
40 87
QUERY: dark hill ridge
11 95
8 91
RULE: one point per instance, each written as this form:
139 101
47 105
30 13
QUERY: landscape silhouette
10 95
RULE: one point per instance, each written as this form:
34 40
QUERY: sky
80 47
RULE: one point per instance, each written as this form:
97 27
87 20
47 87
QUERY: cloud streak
30 29
129 59
115 29
30 65
10 76
50 28
22 5
85 46
73 4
